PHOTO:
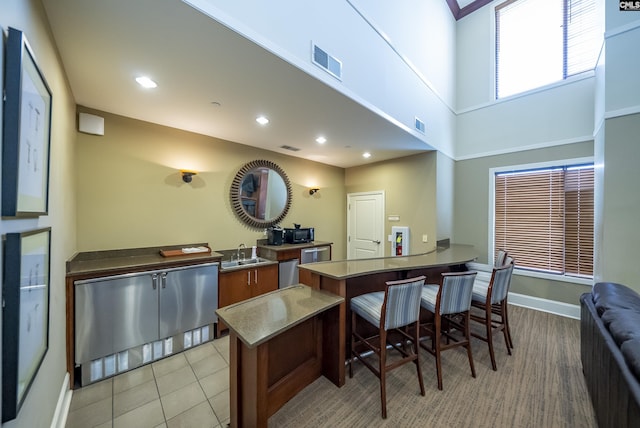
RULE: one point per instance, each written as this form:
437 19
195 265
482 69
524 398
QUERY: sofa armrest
614 390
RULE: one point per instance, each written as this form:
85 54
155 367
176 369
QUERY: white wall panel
560 115
621 81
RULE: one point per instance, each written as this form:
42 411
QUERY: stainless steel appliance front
316 254
122 312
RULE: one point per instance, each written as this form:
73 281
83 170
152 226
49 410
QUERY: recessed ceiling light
366 155
145 82
321 140
262 120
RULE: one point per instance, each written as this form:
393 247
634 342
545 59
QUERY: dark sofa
610 353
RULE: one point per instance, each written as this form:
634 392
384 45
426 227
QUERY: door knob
376 241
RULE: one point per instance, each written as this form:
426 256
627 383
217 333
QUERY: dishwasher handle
315 254
315 250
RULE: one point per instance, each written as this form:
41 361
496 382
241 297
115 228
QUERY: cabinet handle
255 276
248 278
154 280
163 276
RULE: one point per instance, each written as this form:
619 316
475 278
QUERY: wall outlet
425 238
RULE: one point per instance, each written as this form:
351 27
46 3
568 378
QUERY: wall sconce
187 175
313 191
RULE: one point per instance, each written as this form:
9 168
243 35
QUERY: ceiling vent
293 149
325 61
419 125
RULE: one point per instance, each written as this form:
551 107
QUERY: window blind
579 221
544 219
582 38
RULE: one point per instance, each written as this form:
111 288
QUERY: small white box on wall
91 124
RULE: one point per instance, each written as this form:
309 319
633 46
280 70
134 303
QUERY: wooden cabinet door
234 287
243 284
265 279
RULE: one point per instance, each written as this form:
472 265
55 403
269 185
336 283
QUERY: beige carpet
540 385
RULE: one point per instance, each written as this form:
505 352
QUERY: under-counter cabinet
242 284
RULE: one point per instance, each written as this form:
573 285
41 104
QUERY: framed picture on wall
25 318
26 132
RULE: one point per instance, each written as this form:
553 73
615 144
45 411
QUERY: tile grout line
155 381
200 385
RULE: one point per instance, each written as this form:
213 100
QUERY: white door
365 225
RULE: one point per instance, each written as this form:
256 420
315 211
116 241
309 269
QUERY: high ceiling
215 89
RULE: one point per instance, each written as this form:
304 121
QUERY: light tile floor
189 389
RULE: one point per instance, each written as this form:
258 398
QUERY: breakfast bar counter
456 254
351 278
279 344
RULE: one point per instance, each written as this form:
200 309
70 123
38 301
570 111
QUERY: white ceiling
196 61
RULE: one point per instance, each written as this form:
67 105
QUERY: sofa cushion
626 327
614 314
607 295
631 352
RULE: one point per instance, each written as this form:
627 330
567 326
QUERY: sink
239 263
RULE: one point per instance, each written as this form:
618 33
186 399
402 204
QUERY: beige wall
28 16
130 193
471 212
409 184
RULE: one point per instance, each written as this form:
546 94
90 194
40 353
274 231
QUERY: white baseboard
545 305
62 408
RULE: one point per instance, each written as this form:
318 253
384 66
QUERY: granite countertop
261 318
111 261
343 269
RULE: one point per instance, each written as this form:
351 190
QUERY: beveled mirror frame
236 202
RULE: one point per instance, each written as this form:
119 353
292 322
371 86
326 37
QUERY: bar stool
491 299
394 310
450 302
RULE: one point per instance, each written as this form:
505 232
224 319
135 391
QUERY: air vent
419 125
293 149
325 61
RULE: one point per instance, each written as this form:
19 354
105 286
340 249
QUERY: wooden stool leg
467 335
437 333
383 372
416 347
490 338
505 320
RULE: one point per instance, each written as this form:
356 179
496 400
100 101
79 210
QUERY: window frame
491 214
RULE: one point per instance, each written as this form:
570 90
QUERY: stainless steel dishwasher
288 273
124 321
315 254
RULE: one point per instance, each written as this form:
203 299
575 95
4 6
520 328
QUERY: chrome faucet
240 252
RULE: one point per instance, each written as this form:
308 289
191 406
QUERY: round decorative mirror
261 194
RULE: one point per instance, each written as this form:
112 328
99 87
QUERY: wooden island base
267 372
268 376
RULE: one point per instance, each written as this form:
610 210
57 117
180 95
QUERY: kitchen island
277 346
351 278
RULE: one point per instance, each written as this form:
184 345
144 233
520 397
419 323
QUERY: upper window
543 217
539 42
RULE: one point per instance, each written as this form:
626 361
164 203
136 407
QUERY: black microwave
298 235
